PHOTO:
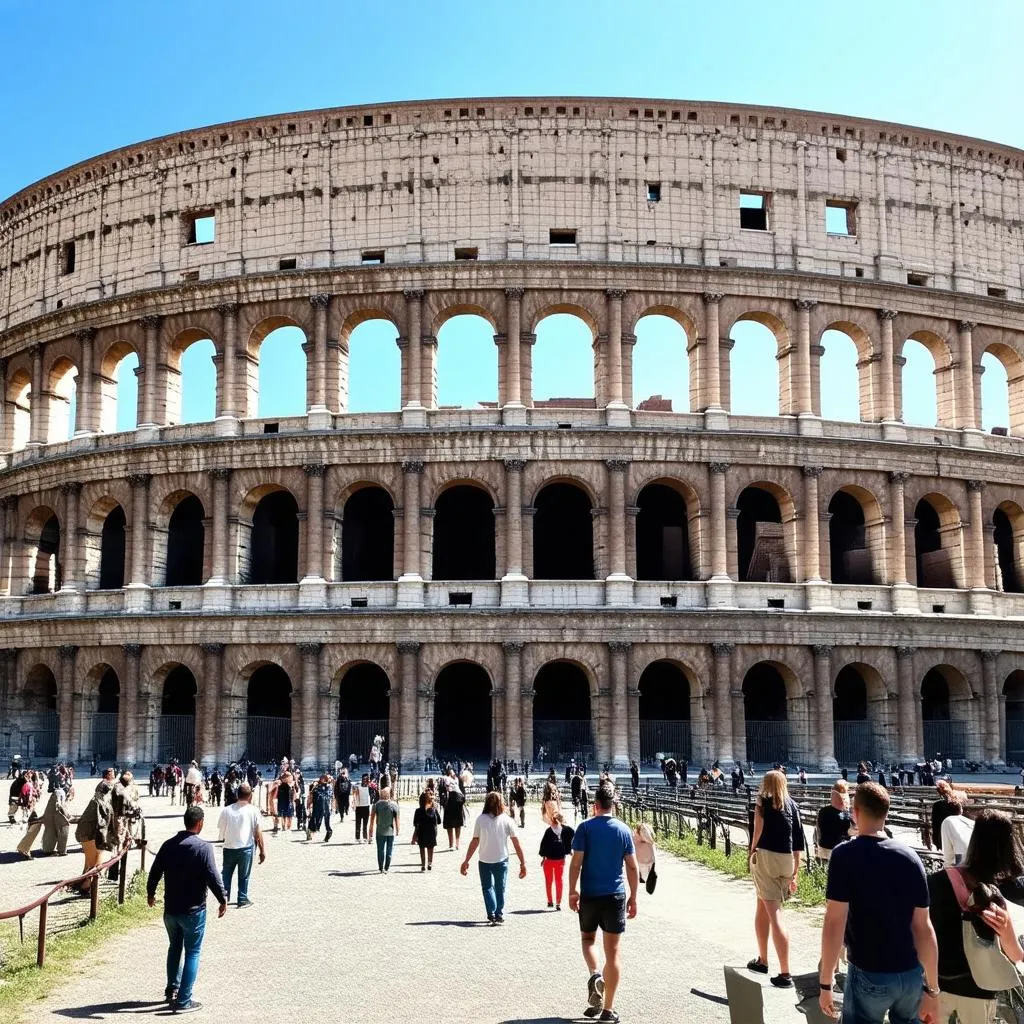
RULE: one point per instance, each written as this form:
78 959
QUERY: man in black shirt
187 865
877 897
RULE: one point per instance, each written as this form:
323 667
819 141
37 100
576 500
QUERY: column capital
408 646
887 314
85 334
619 646
132 650
514 293
228 309
822 650
309 649
713 298
989 655
905 652
151 321
615 294
813 471
718 467
314 469
975 485
219 474
69 487
36 350
512 646
320 301
966 325
722 649
139 479
805 305
898 477
617 465
212 648
412 466
515 465
413 294
67 651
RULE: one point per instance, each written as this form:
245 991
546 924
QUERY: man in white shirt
361 800
239 828
193 784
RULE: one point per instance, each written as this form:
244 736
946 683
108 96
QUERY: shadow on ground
99 1011
451 924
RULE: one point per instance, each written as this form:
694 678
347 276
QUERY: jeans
319 817
493 879
868 996
241 859
184 931
385 847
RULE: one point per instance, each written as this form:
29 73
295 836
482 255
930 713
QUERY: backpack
990 969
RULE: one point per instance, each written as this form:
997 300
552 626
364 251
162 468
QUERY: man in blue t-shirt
601 846
877 897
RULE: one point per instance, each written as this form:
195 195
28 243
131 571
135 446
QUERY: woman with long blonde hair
775 850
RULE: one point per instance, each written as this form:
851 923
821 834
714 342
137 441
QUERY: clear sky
81 78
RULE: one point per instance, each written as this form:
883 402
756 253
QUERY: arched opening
38 721
196 397
374 368
177 732
945 733
268 710
63 401
368 535
849 553
920 397
282 374
119 389
467 365
462 713
561 713
753 370
765 713
664 712
662 535
47 576
464 534
563 534
1013 692
840 388
1006 537
563 361
853 734
112 550
937 543
760 538
274 540
661 366
364 706
186 539
104 721
19 397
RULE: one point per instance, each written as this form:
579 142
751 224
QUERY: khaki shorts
772 872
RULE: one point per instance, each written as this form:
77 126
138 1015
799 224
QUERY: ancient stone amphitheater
603 578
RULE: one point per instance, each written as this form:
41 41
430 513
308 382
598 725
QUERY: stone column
990 701
67 747
614 346
129 728
138 575
513 361
320 304
151 356
897 522
211 723
975 574
514 517
633 715
803 404
907 705
305 742
409 652
513 700
71 538
314 521
414 333
717 514
965 376
10 550
617 469
823 705
38 404
619 726
812 520
86 391
411 469
227 385
886 383
722 702
713 361
221 500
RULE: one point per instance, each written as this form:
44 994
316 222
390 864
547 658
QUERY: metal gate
768 742
176 738
660 739
104 736
355 736
854 741
1014 737
947 738
39 731
564 739
268 739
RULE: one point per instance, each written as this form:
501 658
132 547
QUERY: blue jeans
185 931
241 859
385 847
493 878
868 996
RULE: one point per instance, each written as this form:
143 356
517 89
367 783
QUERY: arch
562 358
761 543
38 720
192 382
43 550
364 708
1001 392
371 366
112 550
119 388
766 712
464 541
176 735
663 526
268 713
462 713
755 380
938 543
563 533
62 388
105 717
278 345
920 397
858 710
664 710
562 718
842 386
945 712
1013 694
1008 544
186 543
856 537
467 363
660 361
19 402
368 535
39 692
269 541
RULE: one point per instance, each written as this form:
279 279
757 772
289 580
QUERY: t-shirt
494 832
194 777
883 882
387 812
361 796
833 827
605 842
238 825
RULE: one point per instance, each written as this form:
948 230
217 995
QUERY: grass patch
810 884
22 983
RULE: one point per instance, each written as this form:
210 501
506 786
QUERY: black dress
454 809
426 824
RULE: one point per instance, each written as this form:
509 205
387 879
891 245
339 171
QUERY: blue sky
79 79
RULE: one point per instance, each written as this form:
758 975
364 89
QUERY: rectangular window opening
565 426
190 275
841 155
858 271
201 228
367 120
863 606
754 211
559 236
371 256
840 217
67 258
359 602
654 191
467 254
287 264
918 280
174 606
939 609
459 597
271 428
670 601
776 602
996 293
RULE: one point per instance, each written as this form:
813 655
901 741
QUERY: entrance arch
766 714
664 712
760 538
368 536
268 711
462 713
1013 693
562 719
105 718
177 732
273 554
38 720
943 724
853 734
464 534
186 538
662 534
563 534
364 706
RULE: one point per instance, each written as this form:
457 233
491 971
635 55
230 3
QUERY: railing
854 741
267 739
946 737
563 740
767 742
176 737
356 735
660 739
104 735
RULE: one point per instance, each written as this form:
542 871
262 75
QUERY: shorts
605 912
771 872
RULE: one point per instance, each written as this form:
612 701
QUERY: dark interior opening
275 540
40 690
664 712
462 713
1003 537
935 697
933 564
108 694
364 693
112 550
850 703
179 695
47 575
269 713
662 535
764 694
561 713
563 534
464 535
186 537
368 536
760 543
850 557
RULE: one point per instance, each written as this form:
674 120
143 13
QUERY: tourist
949 805
321 794
425 823
834 821
173 778
555 846
342 793
185 863
216 788
96 831
232 784
862 772
602 846
491 834
877 905
517 801
283 797
239 829
384 817
643 845
775 850
634 776
55 823
361 802
454 809
193 784
299 791
575 784
551 800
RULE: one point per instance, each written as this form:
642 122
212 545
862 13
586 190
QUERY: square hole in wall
669 601
918 280
996 293
467 253
372 256
654 191
460 598
174 606
840 217
200 228
863 606
190 275
939 609
286 264
359 602
776 602
754 207
67 258
271 428
562 236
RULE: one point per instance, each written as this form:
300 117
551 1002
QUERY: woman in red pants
555 846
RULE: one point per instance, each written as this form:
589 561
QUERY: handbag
990 968
652 880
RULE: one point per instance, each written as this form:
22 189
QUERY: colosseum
611 577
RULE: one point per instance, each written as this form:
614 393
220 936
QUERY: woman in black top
862 773
425 823
834 820
995 858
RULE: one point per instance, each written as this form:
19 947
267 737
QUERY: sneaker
327 838
782 981
551 906
593 1012
490 919
188 1007
610 1016
758 966
244 903
595 991
558 906
498 919
170 994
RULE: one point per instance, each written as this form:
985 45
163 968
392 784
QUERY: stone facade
470 206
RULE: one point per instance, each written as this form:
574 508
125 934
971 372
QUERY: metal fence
767 742
854 741
35 736
1014 738
355 736
104 736
665 739
563 740
176 737
947 738
267 738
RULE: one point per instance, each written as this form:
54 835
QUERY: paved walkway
357 946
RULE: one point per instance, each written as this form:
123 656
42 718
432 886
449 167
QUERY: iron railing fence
767 742
564 739
668 738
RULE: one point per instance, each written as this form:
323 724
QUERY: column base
320 418
716 418
227 426
904 599
617 414
819 595
894 430
515 591
618 589
808 425
514 414
217 596
972 437
147 432
828 764
82 439
70 601
980 601
312 592
889 268
720 592
137 597
410 591
309 763
414 415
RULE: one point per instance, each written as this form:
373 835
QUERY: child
643 841
555 846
